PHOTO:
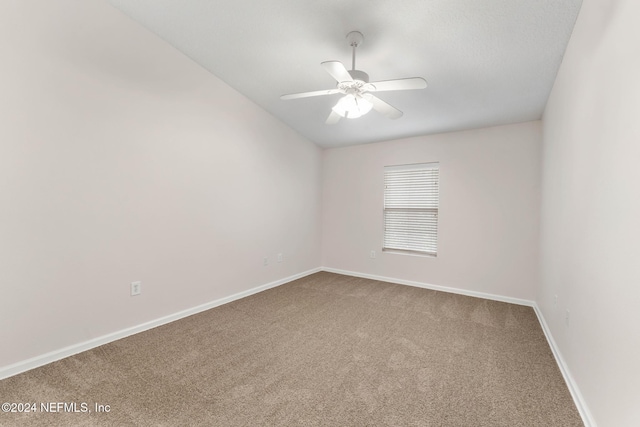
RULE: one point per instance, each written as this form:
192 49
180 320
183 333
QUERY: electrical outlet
136 288
372 254
280 257
265 261
567 315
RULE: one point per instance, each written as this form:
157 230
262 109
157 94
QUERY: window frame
431 240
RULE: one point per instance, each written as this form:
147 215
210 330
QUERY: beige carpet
323 350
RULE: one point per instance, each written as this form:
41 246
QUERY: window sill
400 252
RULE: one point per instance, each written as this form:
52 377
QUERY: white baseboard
34 362
19 367
583 409
484 295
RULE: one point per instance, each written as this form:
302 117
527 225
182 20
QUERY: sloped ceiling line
487 63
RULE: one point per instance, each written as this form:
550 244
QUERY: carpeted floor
323 350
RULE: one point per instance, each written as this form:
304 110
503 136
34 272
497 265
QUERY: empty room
319 213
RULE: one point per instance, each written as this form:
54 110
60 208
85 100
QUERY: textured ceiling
487 63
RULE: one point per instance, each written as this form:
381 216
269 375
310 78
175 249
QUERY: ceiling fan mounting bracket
355 38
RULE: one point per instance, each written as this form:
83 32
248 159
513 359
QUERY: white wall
489 209
590 223
122 160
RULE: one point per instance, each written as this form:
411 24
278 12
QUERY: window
411 208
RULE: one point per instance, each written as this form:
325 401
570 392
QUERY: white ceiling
487 62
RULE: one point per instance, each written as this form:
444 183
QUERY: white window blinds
411 208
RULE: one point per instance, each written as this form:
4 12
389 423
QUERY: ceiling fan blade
399 84
337 71
382 107
308 94
333 118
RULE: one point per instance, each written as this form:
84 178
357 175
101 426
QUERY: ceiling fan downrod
355 39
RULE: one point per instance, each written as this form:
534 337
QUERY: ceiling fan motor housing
358 85
359 75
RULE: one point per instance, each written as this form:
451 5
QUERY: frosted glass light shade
352 107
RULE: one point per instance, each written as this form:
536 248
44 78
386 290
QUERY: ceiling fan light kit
356 88
352 107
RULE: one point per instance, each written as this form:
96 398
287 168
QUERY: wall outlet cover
136 288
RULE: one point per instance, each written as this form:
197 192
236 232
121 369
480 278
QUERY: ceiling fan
354 84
